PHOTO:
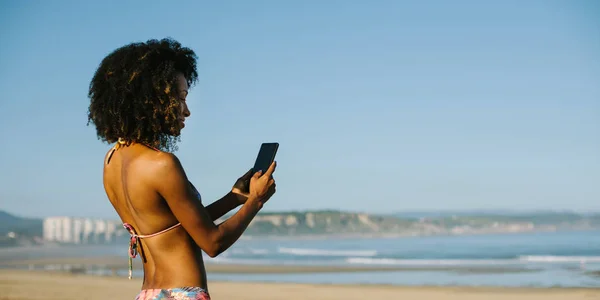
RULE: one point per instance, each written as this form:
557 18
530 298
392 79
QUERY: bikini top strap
142 236
119 144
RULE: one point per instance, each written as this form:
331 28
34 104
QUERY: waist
180 268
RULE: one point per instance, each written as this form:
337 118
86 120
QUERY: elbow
215 248
213 253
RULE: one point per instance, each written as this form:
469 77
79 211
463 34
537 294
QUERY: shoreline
34 285
117 263
362 235
136 280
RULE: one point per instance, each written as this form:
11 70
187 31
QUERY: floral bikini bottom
184 293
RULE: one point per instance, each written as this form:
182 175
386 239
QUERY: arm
224 205
172 184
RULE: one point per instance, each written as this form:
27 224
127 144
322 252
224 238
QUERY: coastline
34 285
38 242
468 262
115 264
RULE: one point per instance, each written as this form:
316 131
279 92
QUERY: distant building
77 230
81 230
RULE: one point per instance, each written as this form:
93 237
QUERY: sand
30 285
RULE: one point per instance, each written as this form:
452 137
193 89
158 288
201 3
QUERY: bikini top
134 240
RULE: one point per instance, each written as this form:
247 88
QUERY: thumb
257 175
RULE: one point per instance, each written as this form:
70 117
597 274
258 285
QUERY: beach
566 260
34 285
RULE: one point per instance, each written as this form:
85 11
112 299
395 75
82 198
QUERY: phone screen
265 157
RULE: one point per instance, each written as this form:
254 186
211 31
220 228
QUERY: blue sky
379 106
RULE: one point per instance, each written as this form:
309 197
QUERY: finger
271 182
257 174
271 169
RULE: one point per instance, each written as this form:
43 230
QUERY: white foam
429 262
558 259
249 250
466 262
226 260
323 252
258 251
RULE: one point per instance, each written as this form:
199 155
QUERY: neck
122 142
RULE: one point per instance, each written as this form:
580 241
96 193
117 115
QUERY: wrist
254 202
237 198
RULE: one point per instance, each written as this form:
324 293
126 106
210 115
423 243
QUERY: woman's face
182 92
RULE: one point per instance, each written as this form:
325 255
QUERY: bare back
171 259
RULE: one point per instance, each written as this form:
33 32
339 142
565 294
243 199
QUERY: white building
67 230
77 230
49 229
80 230
88 228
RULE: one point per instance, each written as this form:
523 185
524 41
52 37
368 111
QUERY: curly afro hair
133 93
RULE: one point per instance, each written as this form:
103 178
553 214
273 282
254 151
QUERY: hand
269 193
241 187
262 186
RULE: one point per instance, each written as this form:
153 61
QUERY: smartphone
266 156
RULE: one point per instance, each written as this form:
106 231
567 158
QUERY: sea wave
250 251
324 252
241 261
559 259
429 262
536 259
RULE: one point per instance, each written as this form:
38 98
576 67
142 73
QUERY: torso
172 259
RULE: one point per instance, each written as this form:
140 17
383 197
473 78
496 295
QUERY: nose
186 111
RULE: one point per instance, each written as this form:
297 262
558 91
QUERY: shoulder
165 163
168 177
165 172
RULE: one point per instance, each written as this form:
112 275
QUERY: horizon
474 212
378 107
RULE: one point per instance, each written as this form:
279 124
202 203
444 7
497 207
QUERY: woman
138 101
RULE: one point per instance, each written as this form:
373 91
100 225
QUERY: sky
378 106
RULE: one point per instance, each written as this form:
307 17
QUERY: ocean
546 259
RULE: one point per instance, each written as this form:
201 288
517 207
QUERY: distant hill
19 225
324 222
504 213
16 230
427 223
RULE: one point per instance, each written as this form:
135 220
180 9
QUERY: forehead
181 82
